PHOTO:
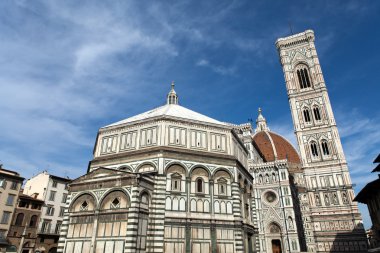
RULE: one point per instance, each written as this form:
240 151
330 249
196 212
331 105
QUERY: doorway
276 246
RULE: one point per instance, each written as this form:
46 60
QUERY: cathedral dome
272 146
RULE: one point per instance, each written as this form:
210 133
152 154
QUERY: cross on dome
172 96
261 123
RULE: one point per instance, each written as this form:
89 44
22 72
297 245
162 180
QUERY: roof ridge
171 110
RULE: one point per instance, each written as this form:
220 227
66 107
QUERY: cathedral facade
174 180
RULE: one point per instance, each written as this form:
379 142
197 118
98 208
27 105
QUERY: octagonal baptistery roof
170 110
273 146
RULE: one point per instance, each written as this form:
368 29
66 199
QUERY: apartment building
10 184
53 191
22 235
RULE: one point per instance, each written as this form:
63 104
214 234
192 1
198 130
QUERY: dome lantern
172 96
261 123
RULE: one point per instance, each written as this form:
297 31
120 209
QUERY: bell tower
335 218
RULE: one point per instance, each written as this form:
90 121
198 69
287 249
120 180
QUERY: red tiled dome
274 147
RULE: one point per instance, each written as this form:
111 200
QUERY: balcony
49 231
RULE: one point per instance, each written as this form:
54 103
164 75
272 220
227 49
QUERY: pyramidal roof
171 110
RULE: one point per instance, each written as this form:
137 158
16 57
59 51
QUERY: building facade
22 234
10 185
53 191
370 195
173 180
335 218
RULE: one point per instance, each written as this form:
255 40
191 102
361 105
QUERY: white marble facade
173 180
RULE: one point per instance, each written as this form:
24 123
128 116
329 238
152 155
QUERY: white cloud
217 68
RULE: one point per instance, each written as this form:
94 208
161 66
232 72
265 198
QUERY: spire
172 96
261 123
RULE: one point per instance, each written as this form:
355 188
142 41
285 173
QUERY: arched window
317 115
306 115
266 178
199 184
303 78
222 186
33 221
314 149
327 199
19 219
344 198
145 198
335 199
317 200
260 179
325 147
290 223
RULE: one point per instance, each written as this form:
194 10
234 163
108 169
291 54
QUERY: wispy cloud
361 141
216 68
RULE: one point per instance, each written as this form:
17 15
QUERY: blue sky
67 69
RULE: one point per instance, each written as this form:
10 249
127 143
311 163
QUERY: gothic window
260 179
303 78
283 175
266 178
306 115
314 149
317 114
176 182
199 185
222 186
325 147
290 223
274 179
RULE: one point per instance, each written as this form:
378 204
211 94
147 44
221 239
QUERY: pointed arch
325 147
306 114
317 113
314 149
274 228
302 73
